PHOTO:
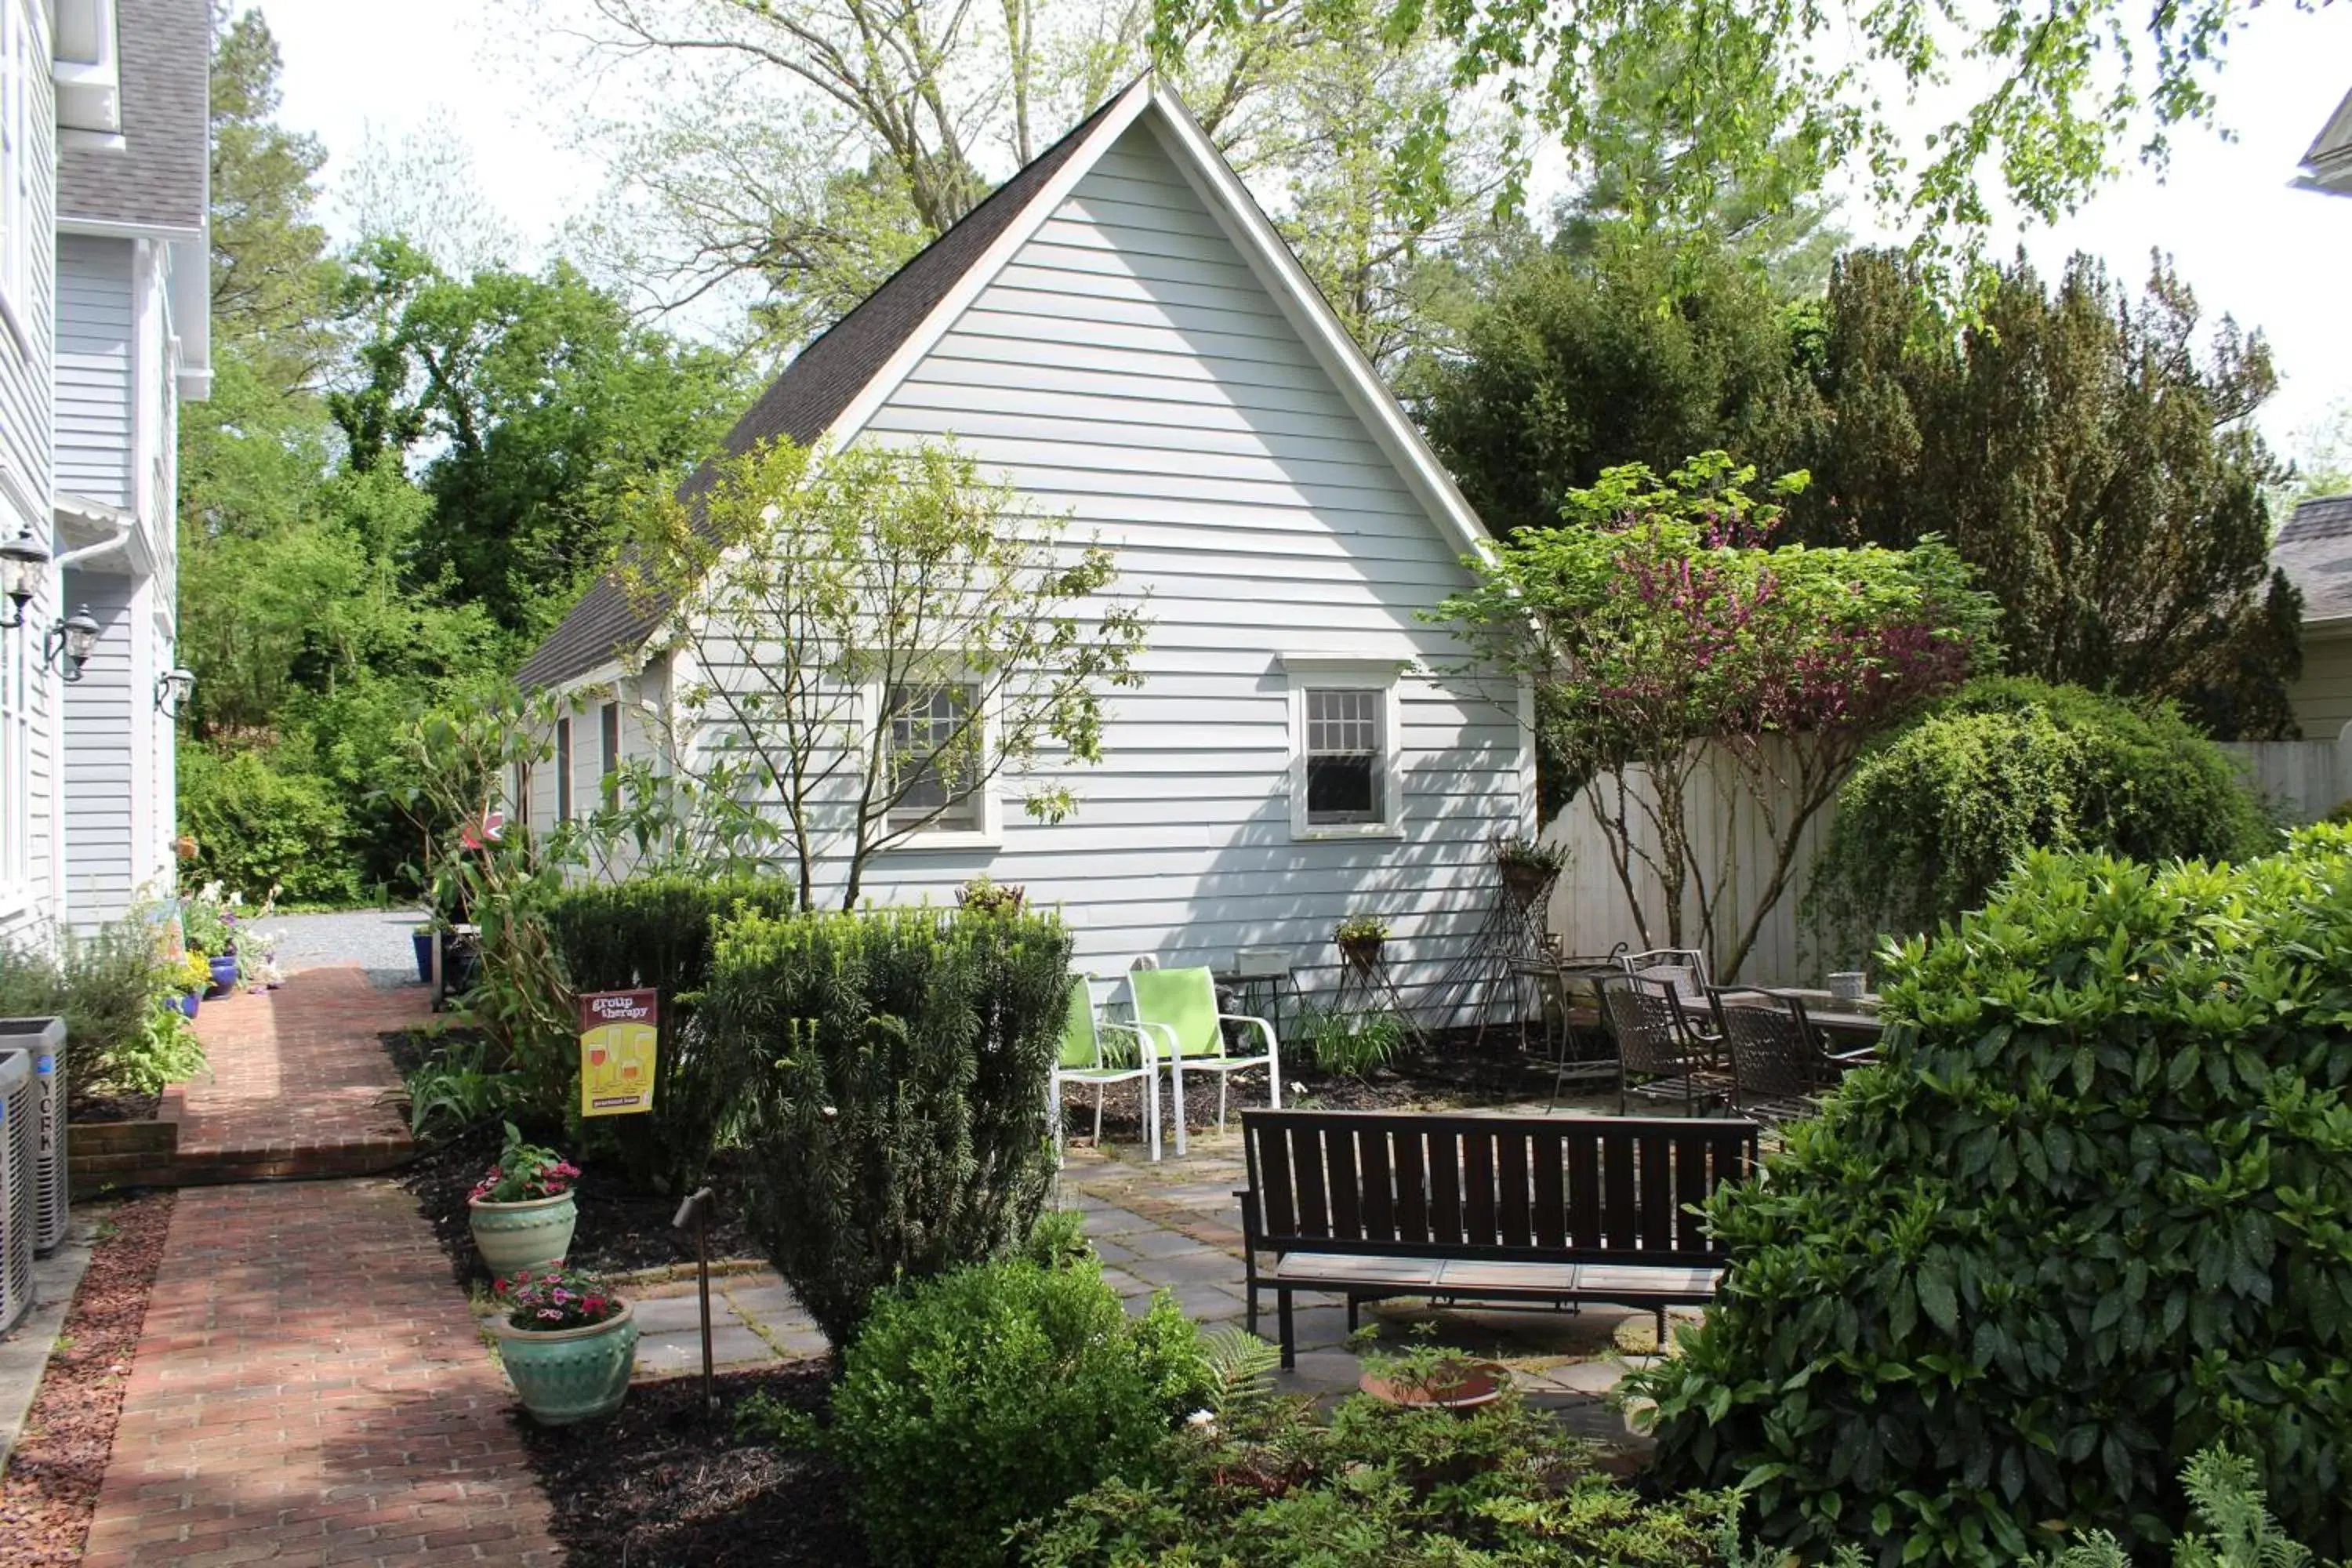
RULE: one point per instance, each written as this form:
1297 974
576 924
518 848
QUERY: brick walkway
309 1389
296 1082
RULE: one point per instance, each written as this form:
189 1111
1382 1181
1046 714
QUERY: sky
2274 258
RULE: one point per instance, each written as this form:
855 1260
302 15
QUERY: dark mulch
51 1491
623 1226
661 1485
91 1107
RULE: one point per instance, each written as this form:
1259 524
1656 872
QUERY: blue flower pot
224 974
189 1002
423 940
572 1375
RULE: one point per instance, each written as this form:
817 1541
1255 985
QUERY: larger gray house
1119 334
104 258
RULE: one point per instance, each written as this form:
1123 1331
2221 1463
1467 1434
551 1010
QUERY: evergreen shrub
655 931
262 829
1932 817
2093 1213
889 1070
973 1402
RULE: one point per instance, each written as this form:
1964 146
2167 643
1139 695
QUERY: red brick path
310 1389
296 1082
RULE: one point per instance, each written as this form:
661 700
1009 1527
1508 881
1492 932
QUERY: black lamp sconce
74 639
172 688
21 562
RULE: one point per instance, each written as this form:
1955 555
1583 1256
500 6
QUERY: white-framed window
24 67
608 740
1346 781
936 739
563 768
522 811
15 761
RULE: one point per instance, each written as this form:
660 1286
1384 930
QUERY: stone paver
296 1081
310 1390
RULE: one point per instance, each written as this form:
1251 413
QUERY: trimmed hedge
2091 1215
1934 815
891 1070
656 931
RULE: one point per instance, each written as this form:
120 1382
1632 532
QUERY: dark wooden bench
1516 1211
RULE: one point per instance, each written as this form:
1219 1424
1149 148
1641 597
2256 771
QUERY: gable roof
836 384
2315 550
2328 165
157 176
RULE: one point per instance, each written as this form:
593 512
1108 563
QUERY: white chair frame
1145 1071
1223 1064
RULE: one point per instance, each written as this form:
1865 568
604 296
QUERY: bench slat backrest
1574 1187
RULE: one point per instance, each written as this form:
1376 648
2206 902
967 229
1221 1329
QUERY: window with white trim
1346 781
933 751
563 769
16 763
608 735
22 69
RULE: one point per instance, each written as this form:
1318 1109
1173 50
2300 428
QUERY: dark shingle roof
159 175
802 403
2315 550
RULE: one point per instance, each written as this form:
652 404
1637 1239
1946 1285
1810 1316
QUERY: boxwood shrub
889 1069
2093 1213
1936 814
970 1403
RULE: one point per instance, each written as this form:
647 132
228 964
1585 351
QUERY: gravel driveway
375 940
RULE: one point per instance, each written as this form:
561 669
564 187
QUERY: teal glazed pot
534 1234
571 1374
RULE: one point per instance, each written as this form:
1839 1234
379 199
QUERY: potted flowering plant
522 1211
1360 938
1529 866
568 1343
188 975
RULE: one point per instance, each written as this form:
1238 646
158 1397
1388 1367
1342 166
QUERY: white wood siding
28 893
102 737
1129 369
2321 698
95 370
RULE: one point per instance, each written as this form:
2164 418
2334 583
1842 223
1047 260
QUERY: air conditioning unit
46 1038
18 1146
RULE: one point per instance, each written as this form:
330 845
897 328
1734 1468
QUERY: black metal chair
1682 970
1654 1047
1780 1067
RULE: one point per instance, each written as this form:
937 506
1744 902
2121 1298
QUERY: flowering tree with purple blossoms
1659 627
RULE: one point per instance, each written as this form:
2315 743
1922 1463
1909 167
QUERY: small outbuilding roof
833 386
2315 550
2328 165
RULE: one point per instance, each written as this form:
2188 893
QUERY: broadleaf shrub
260 828
2093 1213
1936 814
656 931
891 1067
114 991
973 1402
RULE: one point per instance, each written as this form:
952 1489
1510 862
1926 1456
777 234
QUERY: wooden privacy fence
1731 837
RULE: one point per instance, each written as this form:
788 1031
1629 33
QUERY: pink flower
549 1312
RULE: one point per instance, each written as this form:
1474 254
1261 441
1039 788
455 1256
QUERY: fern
1242 1368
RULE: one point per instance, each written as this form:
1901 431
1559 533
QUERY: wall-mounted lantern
172 688
21 561
74 637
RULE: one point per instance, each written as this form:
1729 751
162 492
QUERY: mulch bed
51 1491
92 1108
660 1484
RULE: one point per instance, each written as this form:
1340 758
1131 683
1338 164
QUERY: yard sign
619 1032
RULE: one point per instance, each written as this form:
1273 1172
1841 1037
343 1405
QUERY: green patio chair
1097 1051
1179 1005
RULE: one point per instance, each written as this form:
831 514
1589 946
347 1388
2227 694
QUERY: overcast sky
2274 258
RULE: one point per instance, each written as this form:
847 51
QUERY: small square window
1344 754
933 750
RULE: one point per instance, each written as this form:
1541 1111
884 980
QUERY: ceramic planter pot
571 1374
224 970
1463 1387
189 1003
534 1234
423 940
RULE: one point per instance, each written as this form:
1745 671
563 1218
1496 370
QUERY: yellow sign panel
619 1033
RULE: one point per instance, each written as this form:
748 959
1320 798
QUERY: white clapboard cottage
1120 333
104 257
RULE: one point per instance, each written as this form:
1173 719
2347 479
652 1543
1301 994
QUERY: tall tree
534 410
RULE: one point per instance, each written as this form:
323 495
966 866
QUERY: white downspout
123 530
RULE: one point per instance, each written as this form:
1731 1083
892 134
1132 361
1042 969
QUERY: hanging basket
1525 883
1361 952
